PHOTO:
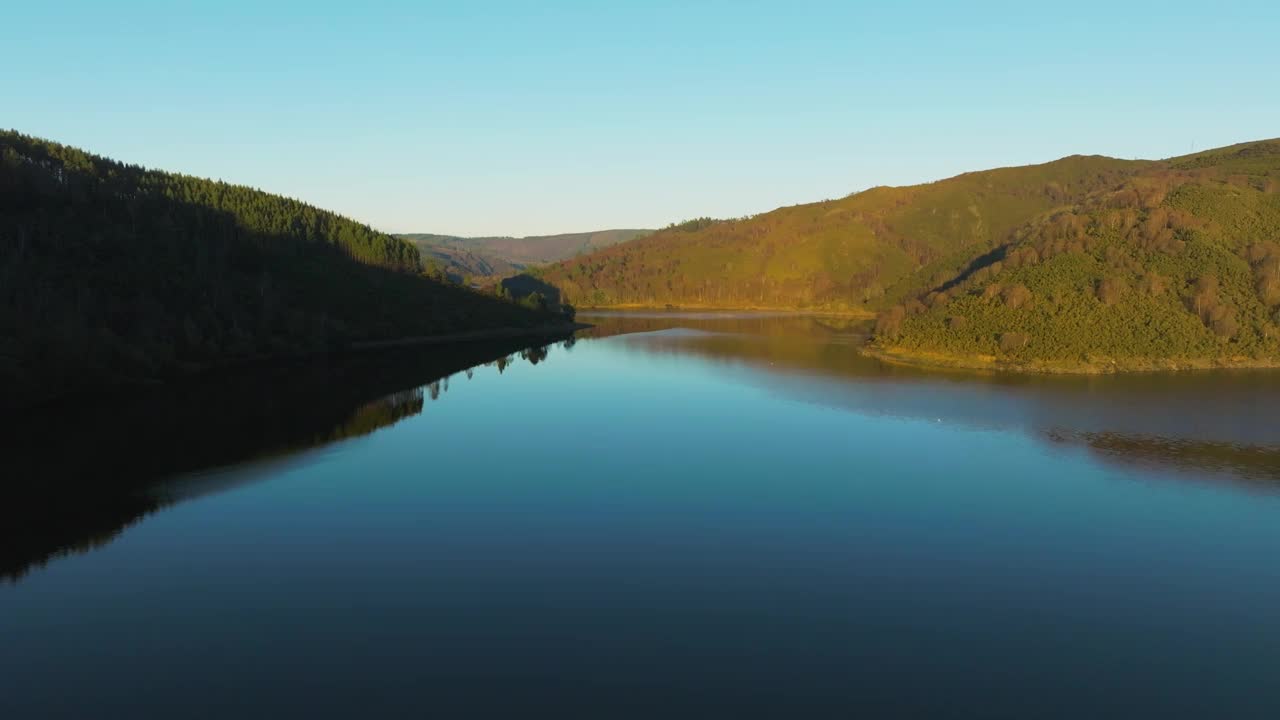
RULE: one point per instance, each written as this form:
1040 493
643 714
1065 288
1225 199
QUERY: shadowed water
707 514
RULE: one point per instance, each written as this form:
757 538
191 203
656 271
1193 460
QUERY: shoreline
501 333
859 314
1112 366
267 362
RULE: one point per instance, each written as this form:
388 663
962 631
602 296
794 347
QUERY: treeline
112 273
1179 264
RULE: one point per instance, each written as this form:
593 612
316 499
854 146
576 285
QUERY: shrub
1152 284
1016 296
889 322
1013 341
1110 290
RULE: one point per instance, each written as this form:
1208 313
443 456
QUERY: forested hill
1083 264
861 252
1176 266
112 273
497 257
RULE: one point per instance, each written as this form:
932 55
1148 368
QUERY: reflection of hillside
381 413
34 534
76 477
1249 463
781 342
1211 423
610 323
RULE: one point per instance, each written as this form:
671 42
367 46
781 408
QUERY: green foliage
112 273
1180 262
534 301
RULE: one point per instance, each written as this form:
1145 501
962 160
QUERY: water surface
710 514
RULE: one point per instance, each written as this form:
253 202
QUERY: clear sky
540 117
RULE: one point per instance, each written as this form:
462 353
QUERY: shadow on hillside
523 285
984 260
76 476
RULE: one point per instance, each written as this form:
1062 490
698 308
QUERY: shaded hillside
861 252
112 273
492 257
1176 266
459 264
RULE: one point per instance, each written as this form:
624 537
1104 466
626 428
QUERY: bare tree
1016 296
1110 290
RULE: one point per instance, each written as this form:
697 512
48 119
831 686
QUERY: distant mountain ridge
502 256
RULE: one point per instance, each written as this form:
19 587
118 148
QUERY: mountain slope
855 253
1178 266
459 262
505 256
112 273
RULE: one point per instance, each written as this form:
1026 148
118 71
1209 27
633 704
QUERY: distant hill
1084 263
460 263
851 254
112 274
497 257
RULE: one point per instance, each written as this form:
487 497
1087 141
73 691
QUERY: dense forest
1177 266
113 273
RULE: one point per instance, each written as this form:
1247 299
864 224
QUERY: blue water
665 523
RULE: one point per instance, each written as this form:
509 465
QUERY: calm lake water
711 515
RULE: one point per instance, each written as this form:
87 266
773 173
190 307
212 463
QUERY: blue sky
539 117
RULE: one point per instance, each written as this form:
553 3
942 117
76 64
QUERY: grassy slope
1179 266
857 253
112 273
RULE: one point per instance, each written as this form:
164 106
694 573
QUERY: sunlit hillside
856 253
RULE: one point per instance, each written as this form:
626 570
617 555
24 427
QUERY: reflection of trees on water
755 325
32 538
1252 464
533 355
1213 425
78 476
382 413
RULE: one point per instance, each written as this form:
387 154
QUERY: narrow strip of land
470 336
